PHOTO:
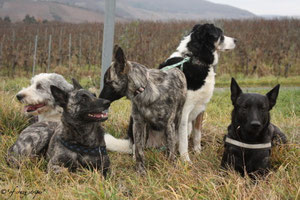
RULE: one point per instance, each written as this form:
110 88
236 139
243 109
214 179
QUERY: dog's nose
235 41
255 124
20 96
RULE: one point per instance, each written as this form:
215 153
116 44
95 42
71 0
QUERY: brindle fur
157 107
32 142
77 128
251 124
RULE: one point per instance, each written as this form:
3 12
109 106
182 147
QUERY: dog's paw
56 169
13 162
186 158
171 157
197 149
140 168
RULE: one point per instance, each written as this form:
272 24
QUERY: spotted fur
32 142
157 98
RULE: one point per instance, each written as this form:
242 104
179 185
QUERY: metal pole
1 54
13 38
49 53
80 52
70 48
108 37
34 55
59 48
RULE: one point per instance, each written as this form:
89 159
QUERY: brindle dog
250 134
79 138
157 99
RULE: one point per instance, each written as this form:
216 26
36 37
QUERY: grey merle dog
157 99
251 134
78 141
33 141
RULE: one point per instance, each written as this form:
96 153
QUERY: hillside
188 9
17 9
93 10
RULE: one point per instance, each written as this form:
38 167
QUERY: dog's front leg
197 128
171 138
183 136
53 166
139 134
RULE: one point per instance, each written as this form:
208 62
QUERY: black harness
84 150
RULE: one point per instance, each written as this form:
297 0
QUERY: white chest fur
197 99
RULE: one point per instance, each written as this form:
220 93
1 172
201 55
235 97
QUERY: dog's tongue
31 108
98 115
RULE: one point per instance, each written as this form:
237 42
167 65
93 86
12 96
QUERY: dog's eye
84 98
222 39
263 108
110 82
243 107
39 86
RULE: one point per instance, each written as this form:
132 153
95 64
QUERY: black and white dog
200 50
251 134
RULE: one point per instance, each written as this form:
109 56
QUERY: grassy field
164 180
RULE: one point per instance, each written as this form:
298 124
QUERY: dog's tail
117 145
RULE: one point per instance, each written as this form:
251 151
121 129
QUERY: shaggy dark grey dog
32 142
157 99
78 141
250 134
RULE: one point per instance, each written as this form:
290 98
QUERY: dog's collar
186 59
141 89
94 151
247 146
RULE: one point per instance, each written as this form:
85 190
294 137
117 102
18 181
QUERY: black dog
250 134
79 139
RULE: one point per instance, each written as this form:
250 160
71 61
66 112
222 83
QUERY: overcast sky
266 7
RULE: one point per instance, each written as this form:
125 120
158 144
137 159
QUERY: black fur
251 124
195 72
200 49
203 39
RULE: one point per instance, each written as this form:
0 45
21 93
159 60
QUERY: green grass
164 180
256 81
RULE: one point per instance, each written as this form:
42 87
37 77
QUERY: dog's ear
119 55
196 27
60 96
76 84
235 90
272 96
